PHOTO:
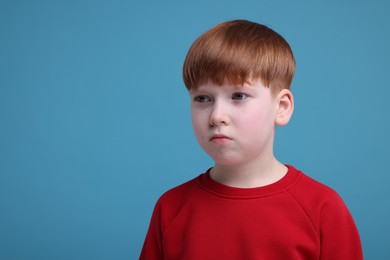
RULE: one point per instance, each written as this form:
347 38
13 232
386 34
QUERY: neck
249 175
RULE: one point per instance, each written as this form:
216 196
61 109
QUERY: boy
248 205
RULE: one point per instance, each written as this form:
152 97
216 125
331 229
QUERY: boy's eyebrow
195 91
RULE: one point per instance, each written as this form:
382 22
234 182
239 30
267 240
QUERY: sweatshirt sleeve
338 233
152 247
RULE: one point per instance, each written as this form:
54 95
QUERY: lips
220 138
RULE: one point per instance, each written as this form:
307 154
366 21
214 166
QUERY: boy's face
234 125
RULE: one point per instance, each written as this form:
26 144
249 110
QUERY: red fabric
294 218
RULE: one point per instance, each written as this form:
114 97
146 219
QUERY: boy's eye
202 99
239 96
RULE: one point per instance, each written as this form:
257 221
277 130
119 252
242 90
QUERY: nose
219 115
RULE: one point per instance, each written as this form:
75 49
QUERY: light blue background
94 117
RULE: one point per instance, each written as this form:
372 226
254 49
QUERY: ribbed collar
218 189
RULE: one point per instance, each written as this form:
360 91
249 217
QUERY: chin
227 161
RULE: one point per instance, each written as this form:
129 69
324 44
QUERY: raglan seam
189 197
305 211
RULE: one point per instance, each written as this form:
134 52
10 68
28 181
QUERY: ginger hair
238 52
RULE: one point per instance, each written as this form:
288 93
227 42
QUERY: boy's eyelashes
202 98
239 96
206 98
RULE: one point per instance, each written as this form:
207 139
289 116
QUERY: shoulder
165 211
180 193
330 217
318 200
309 188
172 201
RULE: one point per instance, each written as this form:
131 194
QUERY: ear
285 109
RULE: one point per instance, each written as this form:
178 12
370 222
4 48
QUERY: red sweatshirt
294 218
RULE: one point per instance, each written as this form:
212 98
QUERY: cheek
198 125
255 122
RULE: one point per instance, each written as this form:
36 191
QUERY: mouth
220 138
